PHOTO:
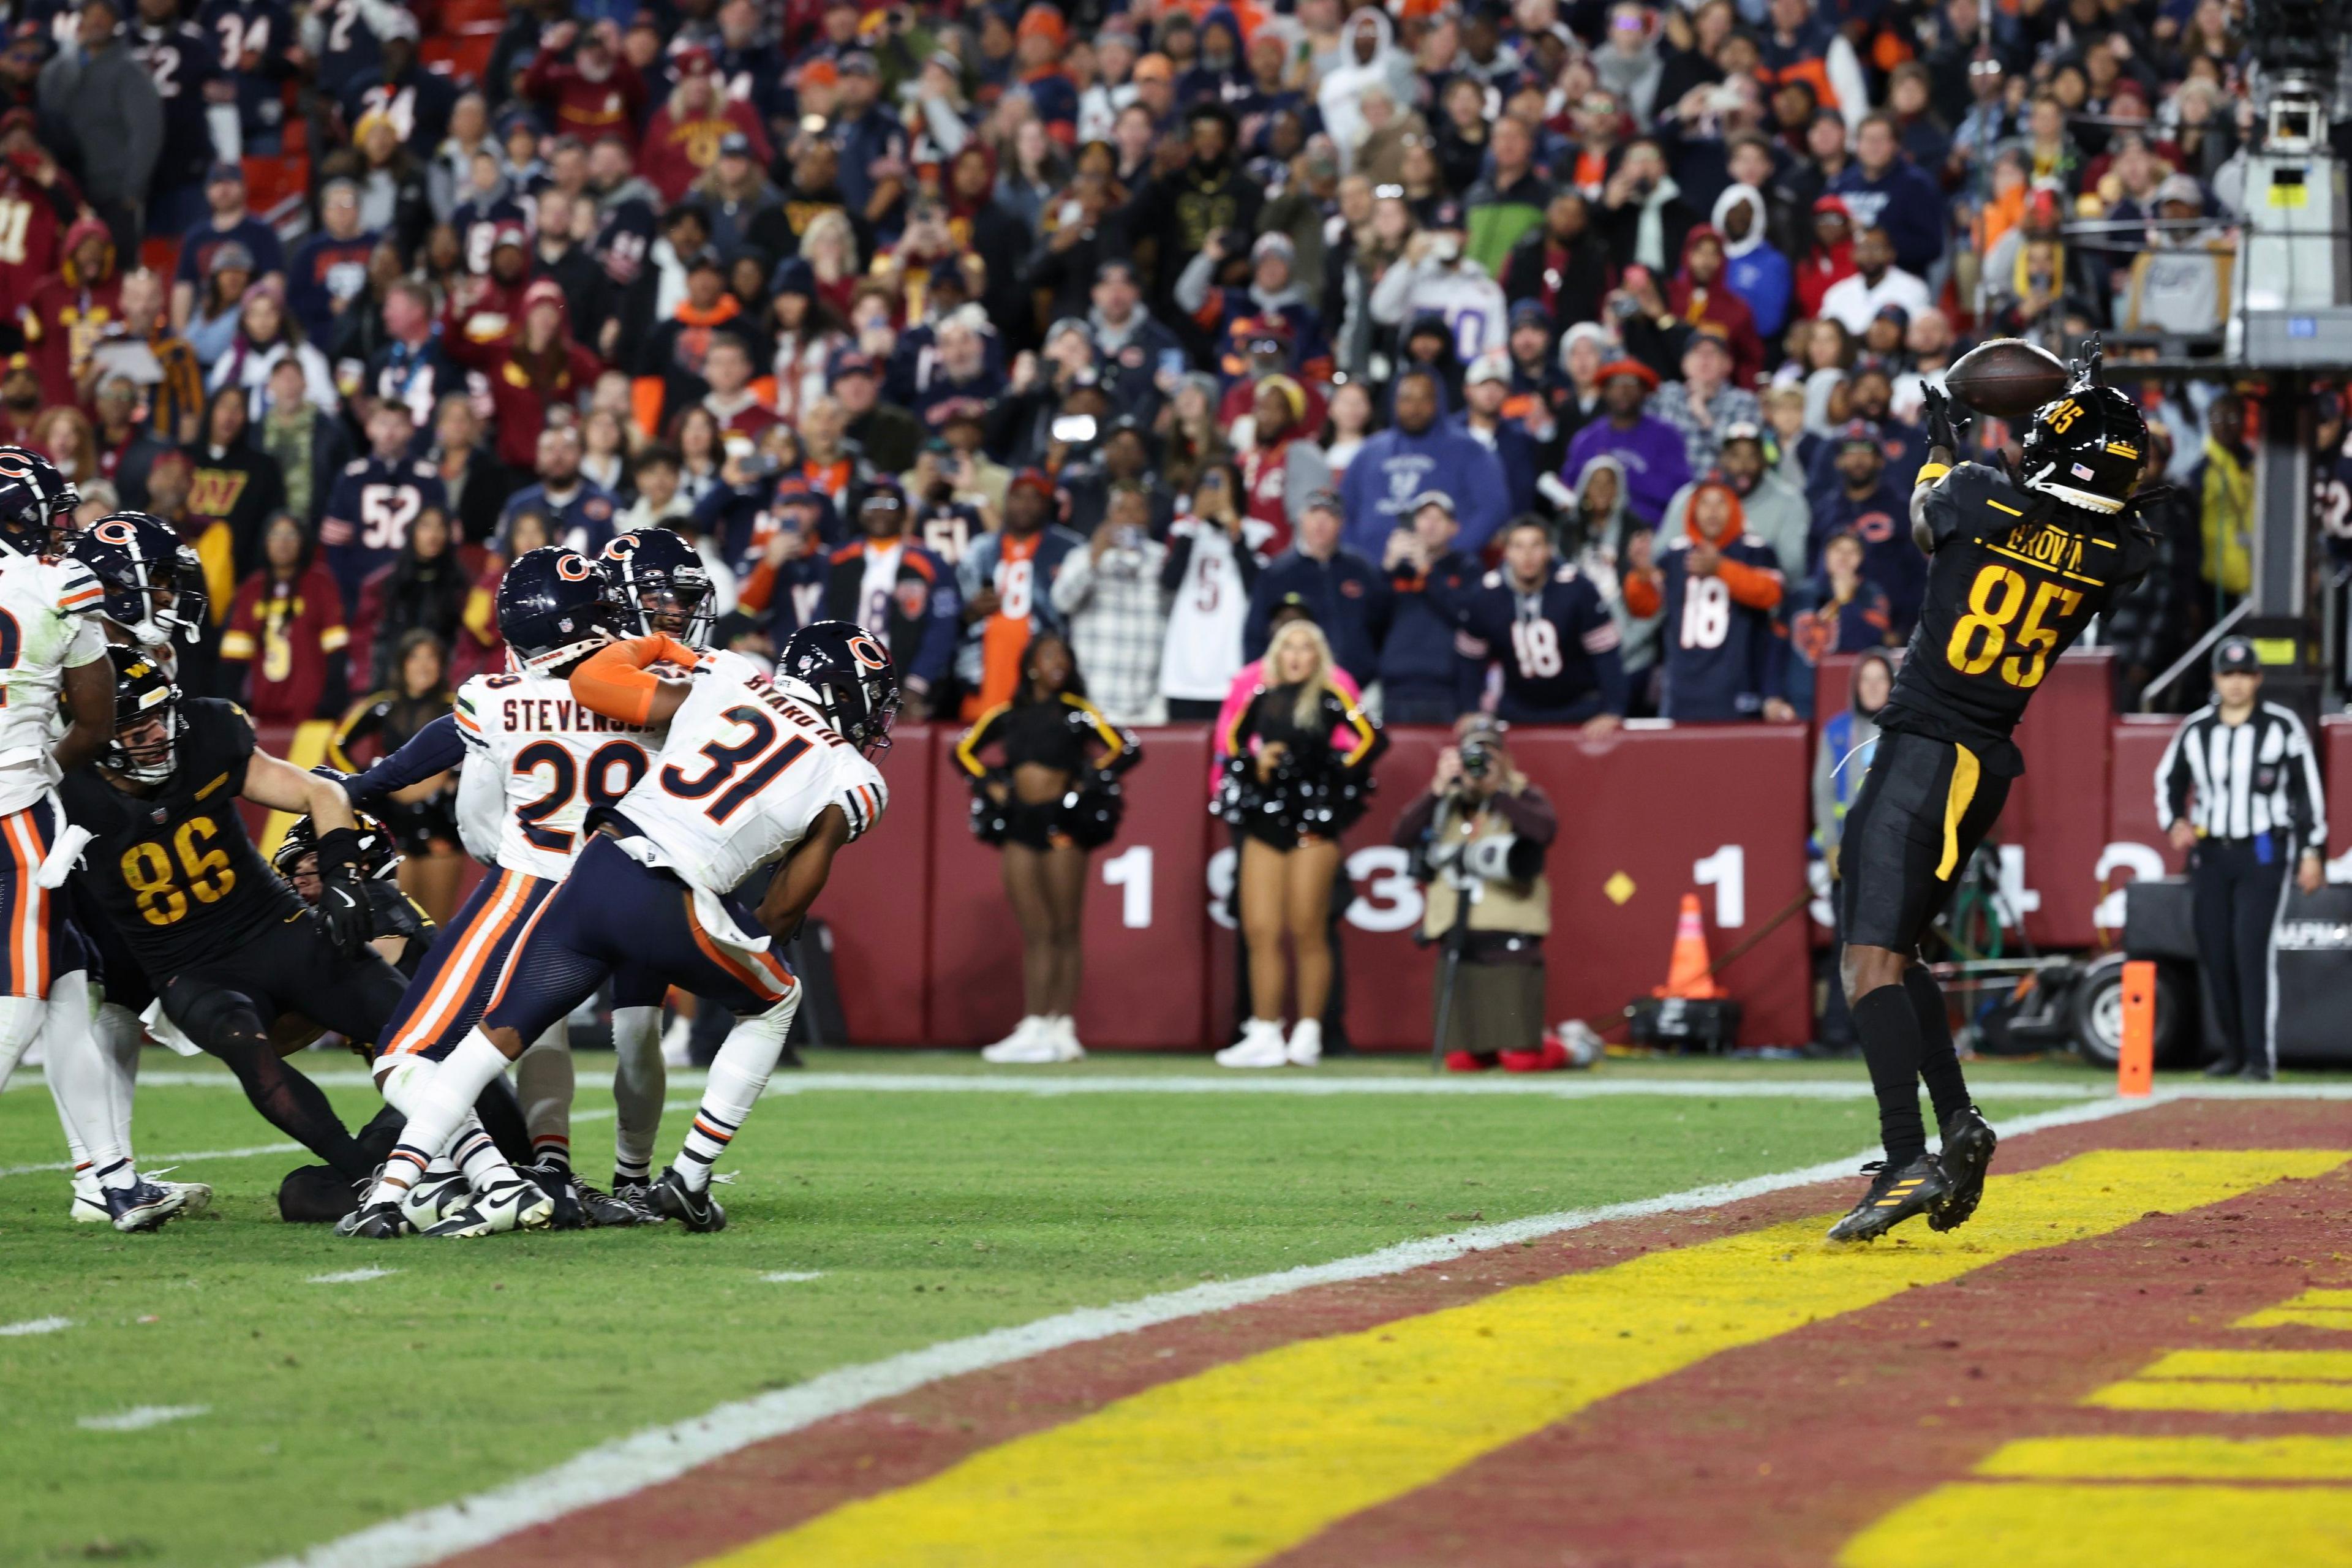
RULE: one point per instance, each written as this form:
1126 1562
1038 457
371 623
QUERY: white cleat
1016 1046
1260 1047
1305 1047
435 1197
89 1207
1039 1042
512 1202
1066 1038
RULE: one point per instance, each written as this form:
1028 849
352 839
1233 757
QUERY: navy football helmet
661 585
148 722
554 608
36 502
846 675
154 584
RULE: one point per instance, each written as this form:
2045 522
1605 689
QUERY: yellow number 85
147 870
1984 635
2065 415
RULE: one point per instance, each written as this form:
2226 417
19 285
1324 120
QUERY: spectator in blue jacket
1883 189
1426 677
1346 594
1869 504
1419 455
1756 271
1485 389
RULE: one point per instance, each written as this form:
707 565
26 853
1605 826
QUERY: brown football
2007 378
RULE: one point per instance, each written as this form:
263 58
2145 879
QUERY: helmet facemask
145 748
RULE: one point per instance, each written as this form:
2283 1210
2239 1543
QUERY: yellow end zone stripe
2313 1308
2248 1397
2032 1524
2186 1458
1246 1460
2297 1366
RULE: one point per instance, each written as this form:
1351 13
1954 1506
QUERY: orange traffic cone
1686 970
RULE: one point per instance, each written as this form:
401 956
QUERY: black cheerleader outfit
390 720
1324 780
1056 733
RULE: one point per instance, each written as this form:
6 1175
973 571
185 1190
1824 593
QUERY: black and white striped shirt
2236 780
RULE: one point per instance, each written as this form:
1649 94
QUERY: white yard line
646 1458
139 1418
154 1162
33 1326
782 1277
351 1276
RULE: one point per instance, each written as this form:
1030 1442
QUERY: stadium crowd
1139 325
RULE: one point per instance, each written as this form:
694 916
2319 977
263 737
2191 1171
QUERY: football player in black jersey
2017 567
226 943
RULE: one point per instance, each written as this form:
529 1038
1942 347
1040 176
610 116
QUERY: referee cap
2236 655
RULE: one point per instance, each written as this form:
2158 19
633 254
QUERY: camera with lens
1477 756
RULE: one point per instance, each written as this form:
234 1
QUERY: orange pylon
1686 970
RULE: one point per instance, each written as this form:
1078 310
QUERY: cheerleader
1048 809
1298 772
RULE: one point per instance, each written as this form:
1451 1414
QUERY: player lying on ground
757 772
2017 569
52 649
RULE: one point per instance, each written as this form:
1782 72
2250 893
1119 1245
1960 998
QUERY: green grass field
928 1215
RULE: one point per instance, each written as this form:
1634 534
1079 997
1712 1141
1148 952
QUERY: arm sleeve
1192 292
977 739
2172 780
437 748
1596 632
1644 593
1122 750
617 681
1757 587
1414 824
1530 815
2307 797
1074 585
365 717
1179 561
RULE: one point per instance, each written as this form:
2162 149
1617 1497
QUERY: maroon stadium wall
925 951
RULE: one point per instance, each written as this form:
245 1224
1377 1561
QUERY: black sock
1940 1062
501 1115
1889 1028
292 1103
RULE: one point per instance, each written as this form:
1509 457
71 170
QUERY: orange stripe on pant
515 953
28 936
771 982
469 957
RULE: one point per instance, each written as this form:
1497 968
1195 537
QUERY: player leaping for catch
2017 568
756 772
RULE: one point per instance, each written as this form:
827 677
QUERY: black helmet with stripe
846 675
661 584
2088 449
154 584
148 722
555 607
36 502
379 853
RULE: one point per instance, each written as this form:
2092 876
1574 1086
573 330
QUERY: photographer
1478 837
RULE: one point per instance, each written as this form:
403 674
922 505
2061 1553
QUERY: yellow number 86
1981 636
147 871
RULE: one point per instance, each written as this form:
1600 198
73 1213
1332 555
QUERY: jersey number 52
1983 636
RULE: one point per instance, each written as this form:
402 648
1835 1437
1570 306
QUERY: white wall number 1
1726 871
1130 873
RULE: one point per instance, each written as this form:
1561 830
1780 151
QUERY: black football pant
2239 888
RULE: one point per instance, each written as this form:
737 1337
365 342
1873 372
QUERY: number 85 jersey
744 772
539 760
2013 579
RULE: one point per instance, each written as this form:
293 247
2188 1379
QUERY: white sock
545 1081
121 1038
436 1104
476 1153
81 1080
738 1075
640 1081
20 1022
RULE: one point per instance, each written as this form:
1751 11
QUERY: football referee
2239 789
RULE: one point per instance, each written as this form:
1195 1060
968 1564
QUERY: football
2007 378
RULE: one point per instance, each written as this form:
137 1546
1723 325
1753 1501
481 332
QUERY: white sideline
33 1326
646 1458
351 1275
781 1277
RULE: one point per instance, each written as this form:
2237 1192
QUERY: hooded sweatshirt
1651 453
1394 467
62 321
1716 301
1722 654
1597 557
1849 741
1902 200
1341 95
1757 272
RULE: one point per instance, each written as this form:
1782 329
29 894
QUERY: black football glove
1943 430
343 906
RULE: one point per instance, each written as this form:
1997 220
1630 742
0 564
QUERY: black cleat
142 1205
555 1181
605 1210
696 1211
375 1222
2257 1072
1968 1143
1894 1196
2224 1066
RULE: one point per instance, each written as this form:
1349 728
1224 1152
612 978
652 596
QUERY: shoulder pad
78 591
356 467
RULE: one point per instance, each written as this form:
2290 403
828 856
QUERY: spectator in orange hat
1651 452
1037 45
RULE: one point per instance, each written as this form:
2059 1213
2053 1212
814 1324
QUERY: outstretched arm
282 786
617 680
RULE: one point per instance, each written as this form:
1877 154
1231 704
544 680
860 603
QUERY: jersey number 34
1993 628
